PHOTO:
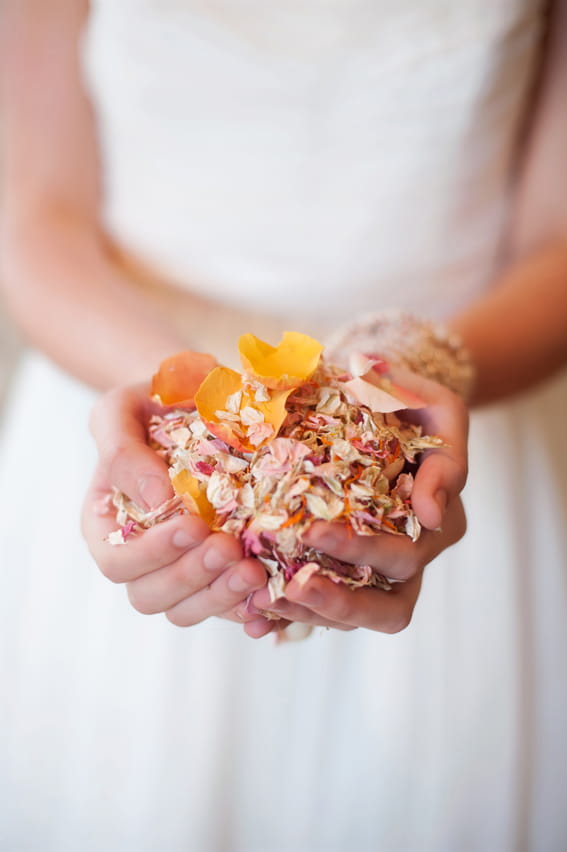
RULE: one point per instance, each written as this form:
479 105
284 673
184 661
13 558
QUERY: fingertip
222 552
429 510
261 599
259 628
154 490
254 573
189 532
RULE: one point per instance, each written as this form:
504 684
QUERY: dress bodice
322 158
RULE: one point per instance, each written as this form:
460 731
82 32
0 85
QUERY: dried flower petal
178 378
374 397
239 429
263 462
285 366
194 495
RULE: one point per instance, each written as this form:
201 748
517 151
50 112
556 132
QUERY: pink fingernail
183 540
153 490
215 561
250 608
236 583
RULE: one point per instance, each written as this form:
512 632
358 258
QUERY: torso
312 161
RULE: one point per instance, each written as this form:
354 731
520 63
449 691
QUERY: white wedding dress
308 160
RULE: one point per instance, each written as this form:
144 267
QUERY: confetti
289 441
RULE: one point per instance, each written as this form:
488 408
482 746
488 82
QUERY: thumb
118 424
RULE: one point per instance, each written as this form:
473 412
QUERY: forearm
74 304
517 332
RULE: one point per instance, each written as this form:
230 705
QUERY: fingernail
153 490
213 560
441 500
250 608
236 583
182 539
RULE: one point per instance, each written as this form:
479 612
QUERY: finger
293 612
386 612
243 614
142 553
394 556
255 624
261 627
191 572
226 592
118 424
442 472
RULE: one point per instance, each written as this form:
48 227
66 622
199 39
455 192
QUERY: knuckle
113 455
179 575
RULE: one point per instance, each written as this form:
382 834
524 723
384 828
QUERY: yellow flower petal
179 377
214 391
211 401
287 365
193 492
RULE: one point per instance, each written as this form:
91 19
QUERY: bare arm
518 331
64 291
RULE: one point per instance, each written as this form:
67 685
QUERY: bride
176 173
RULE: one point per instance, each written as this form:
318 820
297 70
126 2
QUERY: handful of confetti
265 453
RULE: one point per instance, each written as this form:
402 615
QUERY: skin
107 332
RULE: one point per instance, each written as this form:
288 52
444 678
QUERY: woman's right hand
178 567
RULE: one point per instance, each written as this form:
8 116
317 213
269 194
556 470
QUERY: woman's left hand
438 482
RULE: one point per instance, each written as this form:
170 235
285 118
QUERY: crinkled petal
211 400
374 397
287 365
374 370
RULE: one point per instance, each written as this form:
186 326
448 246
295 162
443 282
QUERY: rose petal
178 378
374 397
193 492
212 396
287 365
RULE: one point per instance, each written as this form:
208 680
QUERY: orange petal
212 397
179 377
287 365
274 411
193 492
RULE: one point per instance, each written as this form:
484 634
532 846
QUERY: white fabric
337 155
